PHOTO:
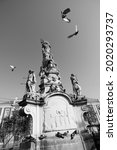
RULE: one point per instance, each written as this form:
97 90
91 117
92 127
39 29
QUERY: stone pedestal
33 107
51 115
28 146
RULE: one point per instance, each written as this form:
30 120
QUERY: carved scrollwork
27 110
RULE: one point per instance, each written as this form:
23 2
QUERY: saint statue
76 86
31 82
47 56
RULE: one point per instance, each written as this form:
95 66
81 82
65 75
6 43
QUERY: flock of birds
65 19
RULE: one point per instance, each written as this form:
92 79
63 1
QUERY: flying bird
64 15
75 33
12 67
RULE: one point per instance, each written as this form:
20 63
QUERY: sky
24 22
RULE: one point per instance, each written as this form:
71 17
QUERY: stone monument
56 115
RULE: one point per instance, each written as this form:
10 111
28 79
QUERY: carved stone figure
49 73
45 46
31 82
76 86
52 67
47 56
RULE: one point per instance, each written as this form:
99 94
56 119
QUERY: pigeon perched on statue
42 137
73 134
65 133
60 135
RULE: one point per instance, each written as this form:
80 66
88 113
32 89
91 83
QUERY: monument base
52 143
28 145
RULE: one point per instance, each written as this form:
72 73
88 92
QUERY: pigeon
42 137
12 67
76 32
60 135
65 133
64 15
73 134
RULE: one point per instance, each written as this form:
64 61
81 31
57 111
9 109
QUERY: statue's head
72 75
45 44
30 71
